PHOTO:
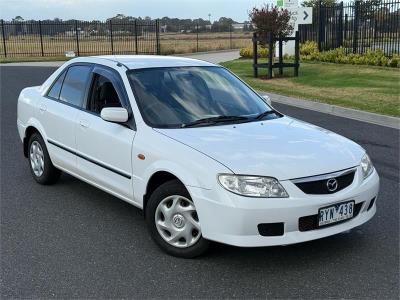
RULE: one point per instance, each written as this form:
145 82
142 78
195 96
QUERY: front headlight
366 166
253 186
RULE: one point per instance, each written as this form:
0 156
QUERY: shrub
269 19
308 48
248 52
288 57
394 61
309 52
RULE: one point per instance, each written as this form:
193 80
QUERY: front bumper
232 219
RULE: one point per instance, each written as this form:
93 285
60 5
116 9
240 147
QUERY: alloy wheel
36 158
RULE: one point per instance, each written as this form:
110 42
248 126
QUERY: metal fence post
355 26
321 26
77 36
230 36
339 34
255 56
158 37
4 37
270 54
197 36
136 38
111 37
296 54
280 42
41 37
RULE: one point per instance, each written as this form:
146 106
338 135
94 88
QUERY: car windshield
178 97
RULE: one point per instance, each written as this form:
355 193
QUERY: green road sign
279 3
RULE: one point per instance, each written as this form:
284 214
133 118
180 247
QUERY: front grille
319 187
311 222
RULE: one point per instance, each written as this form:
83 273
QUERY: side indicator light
141 156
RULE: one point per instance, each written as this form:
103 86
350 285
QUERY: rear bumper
234 220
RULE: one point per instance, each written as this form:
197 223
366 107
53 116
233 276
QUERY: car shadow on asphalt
336 245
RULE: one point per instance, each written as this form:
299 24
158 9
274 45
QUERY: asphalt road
71 240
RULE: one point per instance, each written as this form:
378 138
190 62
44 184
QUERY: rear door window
74 86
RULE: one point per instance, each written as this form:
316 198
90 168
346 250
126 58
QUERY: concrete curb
206 52
349 113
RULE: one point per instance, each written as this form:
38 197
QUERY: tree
18 19
223 24
367 9
120 16
315 3
272 20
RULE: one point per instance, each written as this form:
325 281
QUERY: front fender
191 167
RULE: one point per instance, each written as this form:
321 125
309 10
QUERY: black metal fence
55 38
357 27
198 38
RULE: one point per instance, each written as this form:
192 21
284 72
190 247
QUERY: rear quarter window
56 88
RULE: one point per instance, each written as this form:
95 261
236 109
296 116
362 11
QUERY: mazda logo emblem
332 184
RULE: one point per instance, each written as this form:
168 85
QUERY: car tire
41 167
182 221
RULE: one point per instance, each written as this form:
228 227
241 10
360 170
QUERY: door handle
42 108
84 123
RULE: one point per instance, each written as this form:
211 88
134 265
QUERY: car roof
153 61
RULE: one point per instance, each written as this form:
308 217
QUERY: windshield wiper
214 120
266 113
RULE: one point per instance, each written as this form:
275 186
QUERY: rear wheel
173 221
40 164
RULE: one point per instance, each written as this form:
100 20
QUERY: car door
104 149
58 112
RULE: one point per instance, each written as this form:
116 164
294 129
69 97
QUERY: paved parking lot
71 240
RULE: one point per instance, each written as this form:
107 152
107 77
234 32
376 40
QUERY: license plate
335 213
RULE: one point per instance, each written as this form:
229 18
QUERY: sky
103 9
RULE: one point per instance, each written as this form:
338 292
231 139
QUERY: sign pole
299 15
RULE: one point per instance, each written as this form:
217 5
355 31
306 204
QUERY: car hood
284 148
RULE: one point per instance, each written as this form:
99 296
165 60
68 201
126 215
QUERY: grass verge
32 59
368 88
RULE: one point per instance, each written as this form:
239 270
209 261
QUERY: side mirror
114 114
267 99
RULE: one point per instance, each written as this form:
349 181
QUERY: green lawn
373 89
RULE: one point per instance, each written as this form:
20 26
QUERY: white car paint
283 148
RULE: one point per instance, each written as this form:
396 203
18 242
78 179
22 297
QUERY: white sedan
205 156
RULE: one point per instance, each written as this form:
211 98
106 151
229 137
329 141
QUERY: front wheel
173 221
